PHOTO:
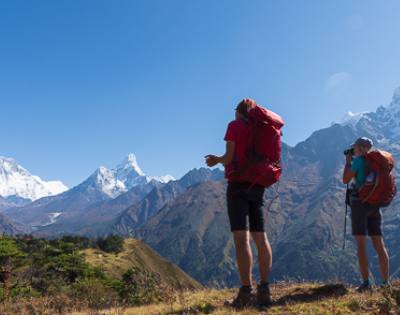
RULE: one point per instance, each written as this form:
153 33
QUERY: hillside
138 214
290 299
136 254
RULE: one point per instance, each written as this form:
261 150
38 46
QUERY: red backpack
262 165
380 186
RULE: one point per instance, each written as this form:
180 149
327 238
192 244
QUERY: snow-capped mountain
105 180
352 118
101 187
129 172
16 181
384 121
383 125
125 176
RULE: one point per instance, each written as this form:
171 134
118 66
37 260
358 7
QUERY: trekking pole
345 220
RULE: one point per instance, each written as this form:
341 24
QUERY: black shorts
365 218
245 200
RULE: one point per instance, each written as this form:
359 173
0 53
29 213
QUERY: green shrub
70 267
80 242
94 293
111 244
51 274
141 287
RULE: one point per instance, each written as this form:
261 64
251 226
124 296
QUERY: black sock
247 288
366 282
264 285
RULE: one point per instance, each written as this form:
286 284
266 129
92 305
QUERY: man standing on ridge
365 215
251 163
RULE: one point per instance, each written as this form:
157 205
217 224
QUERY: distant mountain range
102 186
185 220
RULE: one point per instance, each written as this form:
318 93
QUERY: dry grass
290 299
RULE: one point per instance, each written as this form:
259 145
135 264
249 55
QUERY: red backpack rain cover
262 165
381 188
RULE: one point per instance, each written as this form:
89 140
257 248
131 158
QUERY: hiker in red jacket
366 216
245 195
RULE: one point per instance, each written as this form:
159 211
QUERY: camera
349 151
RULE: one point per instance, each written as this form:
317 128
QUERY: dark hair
242 108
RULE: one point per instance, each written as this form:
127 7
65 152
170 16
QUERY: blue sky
83 83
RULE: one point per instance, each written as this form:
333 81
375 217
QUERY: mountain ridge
102 185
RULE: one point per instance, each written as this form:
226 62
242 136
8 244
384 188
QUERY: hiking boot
263 295
364 287
244 298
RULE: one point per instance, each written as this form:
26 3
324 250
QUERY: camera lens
349 151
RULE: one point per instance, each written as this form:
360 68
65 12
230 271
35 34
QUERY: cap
364 142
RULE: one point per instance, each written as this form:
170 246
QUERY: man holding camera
365 218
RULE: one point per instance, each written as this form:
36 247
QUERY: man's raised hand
211 160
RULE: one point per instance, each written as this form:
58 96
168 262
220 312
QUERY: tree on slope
9 256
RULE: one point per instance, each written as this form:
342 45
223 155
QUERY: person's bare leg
264 254
362 255
379 245
243 255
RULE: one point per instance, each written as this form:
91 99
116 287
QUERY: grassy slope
138 254
291 299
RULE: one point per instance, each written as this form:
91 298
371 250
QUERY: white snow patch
352 118
106 180
162 179
52 217
128 165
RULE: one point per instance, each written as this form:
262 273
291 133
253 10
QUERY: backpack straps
373 189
